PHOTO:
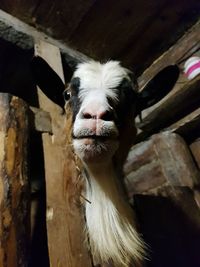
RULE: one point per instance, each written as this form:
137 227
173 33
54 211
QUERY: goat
103 100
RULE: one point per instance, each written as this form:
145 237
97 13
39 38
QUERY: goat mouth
96 137
92 148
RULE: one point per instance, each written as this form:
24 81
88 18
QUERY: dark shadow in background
173 237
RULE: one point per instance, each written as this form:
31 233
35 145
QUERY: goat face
104 102
102 98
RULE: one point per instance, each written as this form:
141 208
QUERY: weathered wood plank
188 127
65 222
183 48
23 35
40 120
162 160
174 108
41 14
195 148
131 34
14 188
186 46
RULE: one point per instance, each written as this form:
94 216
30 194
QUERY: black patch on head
75 86
158 87
74 99
127 97
47 79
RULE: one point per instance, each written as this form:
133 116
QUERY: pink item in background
192 67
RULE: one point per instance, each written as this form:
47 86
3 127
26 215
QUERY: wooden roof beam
24 36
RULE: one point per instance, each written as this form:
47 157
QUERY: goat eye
66 95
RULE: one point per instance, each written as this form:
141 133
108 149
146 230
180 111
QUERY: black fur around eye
66 95
126 84
75 85
127 92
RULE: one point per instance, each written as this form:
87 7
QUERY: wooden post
65 220
14 189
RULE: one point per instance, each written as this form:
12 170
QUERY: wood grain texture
129 33
65 220
14 188
41 13
183 48
23 35
163 160
40 120
174 108
188 127
195 148
188 45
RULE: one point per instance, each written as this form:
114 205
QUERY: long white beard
110 224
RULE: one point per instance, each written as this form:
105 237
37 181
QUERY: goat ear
48 80
158 87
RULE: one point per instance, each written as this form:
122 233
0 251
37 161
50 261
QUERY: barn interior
147 37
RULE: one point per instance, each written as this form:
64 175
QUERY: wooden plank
188 127
23 35
163 160
62 17
65 220
195 149
158 34
14 188
179 105
186 46
183 48
100 42
122 30
40 120
131 34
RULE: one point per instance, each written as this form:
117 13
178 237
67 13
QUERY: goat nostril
87 115
107 116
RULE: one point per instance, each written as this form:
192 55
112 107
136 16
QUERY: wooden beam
22 35
14 188
188 126
65 219
184 47
174 108
188 45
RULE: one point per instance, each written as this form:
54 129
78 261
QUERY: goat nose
103 115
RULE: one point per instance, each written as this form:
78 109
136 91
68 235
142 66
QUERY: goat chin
110 223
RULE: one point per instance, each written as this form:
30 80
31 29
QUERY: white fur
110 221
95 76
